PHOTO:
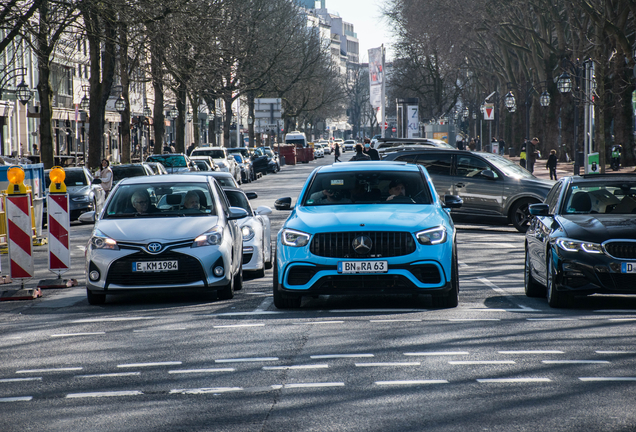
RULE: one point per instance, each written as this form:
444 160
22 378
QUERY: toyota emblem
154 247
362 245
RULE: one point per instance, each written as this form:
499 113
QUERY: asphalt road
498 362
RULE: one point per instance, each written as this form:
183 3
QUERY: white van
297 138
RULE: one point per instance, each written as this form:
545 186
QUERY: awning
6 109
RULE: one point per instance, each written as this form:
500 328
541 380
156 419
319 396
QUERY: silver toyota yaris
163 234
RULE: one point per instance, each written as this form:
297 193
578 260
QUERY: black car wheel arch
519 214
556 298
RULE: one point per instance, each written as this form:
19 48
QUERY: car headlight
213 237
570 245
100 241
248 233
290 237
432 236
83 198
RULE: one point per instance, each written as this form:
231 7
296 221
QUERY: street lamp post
146 122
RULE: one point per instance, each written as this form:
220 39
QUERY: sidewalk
564 168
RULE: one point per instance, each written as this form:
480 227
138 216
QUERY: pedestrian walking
472 145
359 156
369 151
522 157
106 176
531 153
552 164
336 153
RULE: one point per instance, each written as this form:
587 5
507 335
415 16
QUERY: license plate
628 268
363 267
155 266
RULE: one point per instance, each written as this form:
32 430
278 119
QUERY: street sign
489 111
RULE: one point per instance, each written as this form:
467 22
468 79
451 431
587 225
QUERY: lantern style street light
23 93
147 111
174 112
466 113
120 104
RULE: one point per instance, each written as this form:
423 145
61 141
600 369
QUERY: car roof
368 166
212 173
127 165
591 178
173 178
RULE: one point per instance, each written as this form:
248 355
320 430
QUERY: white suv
221 159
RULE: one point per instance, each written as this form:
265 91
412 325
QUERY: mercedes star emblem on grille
154 247
362 245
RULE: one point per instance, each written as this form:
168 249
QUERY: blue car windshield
368 187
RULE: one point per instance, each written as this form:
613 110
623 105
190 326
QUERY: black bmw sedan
582 239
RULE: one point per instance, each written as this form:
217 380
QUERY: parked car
224 179
221 158
245 166
84 193
157 168
266 160
248 158
148 240
367 228
256 229
318 151
123 171
582 239
326 148
207 159
401 144
492 187
175 163
347 145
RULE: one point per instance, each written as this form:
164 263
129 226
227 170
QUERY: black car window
553 197
409 158
122 172
238 199
602 196
435 163
222 199
470 166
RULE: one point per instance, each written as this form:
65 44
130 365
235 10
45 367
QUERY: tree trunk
227 142
125 83
157 85
180 121
45 91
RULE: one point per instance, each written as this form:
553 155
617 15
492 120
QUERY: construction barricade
289 153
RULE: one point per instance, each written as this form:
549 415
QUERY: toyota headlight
570 245
101 241
213 237
248 233
432 236
290 237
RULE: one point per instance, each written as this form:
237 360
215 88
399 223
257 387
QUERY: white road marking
614 311
615 352
104 394
237 326
593 379
16 399
77 334
319 322
622 319
315 366
480 362
242 360
7 380
265 304
115 319
575 362
532 352
375 310
388 364
49 370
109 375
127 365
256 312
160 330
437 353
513 380
188 371
505 293
333 356
473 319
552 319
206 390
411 382
315 385
394 320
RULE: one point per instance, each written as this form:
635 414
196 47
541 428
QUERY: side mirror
452 201
263 211
96 181
88 217
283 203
237 213
538 209
251 195
489 174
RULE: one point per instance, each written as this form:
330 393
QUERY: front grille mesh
120 272
622 250
385 244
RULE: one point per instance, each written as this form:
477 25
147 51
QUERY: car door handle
460 185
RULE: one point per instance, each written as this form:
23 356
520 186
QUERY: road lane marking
206 390
315 385
8 380
411 382
114 319
472 319
615 352
109 375
505 293
67 369
318 322
188 371
513 380
256 312
552 319
532 352
77 334
151 364
16 399
265 304
394 320
104 394
244 360
388 364
295 367
437 353
594 379
575 361
155 330
237 326
480 362
375 310
334 356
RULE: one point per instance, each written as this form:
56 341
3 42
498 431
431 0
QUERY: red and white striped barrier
19 231
59 227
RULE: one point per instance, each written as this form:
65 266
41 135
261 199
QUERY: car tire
556 298
258 273
94 298
227 292
520 214
282 301
238 279
531 286
451 298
